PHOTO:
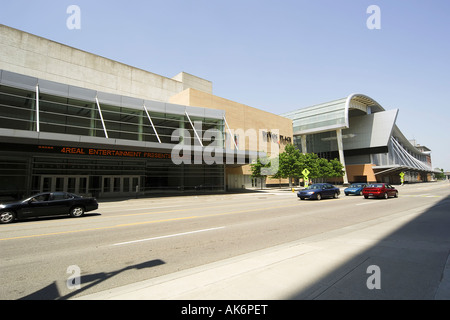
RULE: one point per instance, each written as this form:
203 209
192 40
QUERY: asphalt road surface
134 240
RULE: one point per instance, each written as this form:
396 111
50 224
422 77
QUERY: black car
47 204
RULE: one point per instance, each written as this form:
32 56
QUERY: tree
325 168
289 164
338 168
441 175
311 162
256 169
292 163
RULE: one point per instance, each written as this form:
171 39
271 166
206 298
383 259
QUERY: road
128 241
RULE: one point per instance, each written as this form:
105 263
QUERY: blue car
318 191
355 188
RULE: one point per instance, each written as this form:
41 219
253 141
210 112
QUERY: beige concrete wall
239 116
191 81
35 56
361 170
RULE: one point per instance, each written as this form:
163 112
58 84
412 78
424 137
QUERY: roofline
351 97
406 142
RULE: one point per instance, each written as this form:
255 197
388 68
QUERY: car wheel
386 195
366 197
319 196
302 198
7 217
396 195
77 212
346 194
335 195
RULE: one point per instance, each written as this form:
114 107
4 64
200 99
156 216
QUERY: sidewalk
333 265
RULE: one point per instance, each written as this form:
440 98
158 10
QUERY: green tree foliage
325 168
256 169
338 169
292 162
441 175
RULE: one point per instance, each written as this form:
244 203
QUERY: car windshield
357 185
314 186
376 185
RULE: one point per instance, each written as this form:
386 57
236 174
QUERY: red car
380 190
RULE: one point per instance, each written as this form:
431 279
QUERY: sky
276 56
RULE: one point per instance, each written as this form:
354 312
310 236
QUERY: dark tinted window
60 196
41 197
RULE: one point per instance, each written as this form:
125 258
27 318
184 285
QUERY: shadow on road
411 262
51 291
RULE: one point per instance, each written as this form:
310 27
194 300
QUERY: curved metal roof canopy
371 123
331 115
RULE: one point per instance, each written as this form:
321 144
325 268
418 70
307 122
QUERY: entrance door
46 184
113 185
72 184
84 185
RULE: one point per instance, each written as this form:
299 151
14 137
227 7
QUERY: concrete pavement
410 250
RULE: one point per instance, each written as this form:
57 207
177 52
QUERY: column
140 126
38 129
304 149
92 128
182 128
341 153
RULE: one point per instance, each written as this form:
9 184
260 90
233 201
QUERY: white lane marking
140 208
168 236
362 204
151 208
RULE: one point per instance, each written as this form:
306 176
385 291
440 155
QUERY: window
135 183
116 184
123 123
59 184
71 110
106 184
17 108
59 196
41 197
71 185
83 185
126 184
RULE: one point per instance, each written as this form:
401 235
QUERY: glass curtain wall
70 115
323 144
17 109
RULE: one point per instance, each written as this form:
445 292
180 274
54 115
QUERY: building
359 132
74 121
248 124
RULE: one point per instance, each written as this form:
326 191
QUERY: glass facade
323 144
76 117
358 131
30 106
17 108
321 117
